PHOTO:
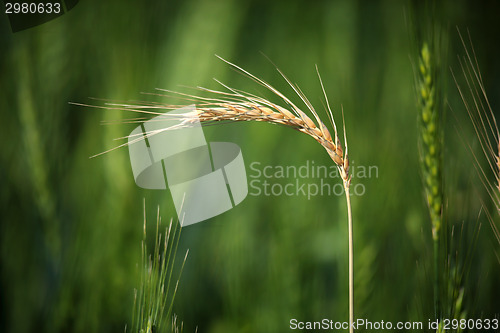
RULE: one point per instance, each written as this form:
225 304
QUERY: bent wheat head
237 105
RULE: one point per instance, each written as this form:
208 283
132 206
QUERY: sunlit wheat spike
237 105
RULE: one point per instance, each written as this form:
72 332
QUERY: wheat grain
254 111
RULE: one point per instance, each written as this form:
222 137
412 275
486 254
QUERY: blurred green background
71 226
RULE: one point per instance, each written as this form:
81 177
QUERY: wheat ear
236 105
430 142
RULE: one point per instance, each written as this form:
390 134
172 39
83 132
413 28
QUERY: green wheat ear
430 143
430 139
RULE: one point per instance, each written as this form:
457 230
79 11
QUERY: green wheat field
417 85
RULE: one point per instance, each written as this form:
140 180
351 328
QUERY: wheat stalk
236 105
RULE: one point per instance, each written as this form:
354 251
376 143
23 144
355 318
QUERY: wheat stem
351 256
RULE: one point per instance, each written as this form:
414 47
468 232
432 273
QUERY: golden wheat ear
237 105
